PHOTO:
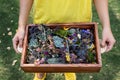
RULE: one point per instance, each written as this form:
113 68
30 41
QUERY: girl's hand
108 39
18 38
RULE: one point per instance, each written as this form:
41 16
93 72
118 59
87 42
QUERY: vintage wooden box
64 67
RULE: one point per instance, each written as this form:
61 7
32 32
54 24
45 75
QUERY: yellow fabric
62 11
36 77
70 76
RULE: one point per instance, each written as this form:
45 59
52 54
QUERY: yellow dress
62 11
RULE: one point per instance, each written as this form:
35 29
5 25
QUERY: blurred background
10 61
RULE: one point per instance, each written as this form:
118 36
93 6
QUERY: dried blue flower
58 42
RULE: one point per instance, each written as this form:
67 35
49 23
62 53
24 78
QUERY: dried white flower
90 77
8 48
3 34
14 62
9 33
8 29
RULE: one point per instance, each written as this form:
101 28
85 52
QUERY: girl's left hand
108 39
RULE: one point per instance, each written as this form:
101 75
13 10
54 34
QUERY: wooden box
81 67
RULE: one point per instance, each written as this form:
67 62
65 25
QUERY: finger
103 43
20 43
109 46
15 44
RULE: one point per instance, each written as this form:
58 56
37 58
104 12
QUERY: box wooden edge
24 66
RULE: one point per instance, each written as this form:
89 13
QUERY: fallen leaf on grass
90 77
106 65
3 34
8 48
12 8
9 33
11 21
8 29
19 68
14 62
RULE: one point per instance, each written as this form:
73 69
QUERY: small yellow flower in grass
8 48
67 57
9 33
65 28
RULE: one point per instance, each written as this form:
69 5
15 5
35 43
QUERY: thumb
20 43
103 43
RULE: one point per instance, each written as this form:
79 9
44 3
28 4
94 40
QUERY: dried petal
8 29
8 48
90 77
11 21
67 57
14 62
9 33
3 34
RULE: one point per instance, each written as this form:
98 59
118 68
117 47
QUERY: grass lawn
9 11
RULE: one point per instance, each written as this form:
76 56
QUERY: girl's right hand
18 38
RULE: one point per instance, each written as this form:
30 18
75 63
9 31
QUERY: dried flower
9 33
90 77
8 48
14 62
3 34
65 28
0 41
68 57
11 21
8 29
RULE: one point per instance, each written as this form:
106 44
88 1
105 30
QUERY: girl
63 11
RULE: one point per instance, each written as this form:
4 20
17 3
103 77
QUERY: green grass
9 11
